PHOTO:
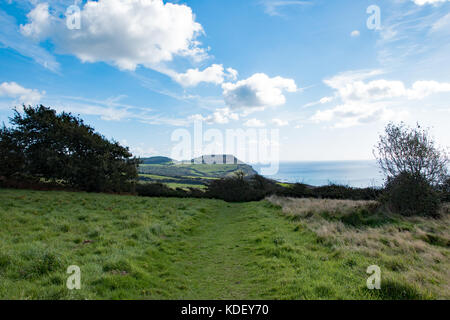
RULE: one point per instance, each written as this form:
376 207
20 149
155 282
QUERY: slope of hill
156 160
191 173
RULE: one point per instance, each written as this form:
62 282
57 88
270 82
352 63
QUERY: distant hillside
195 172
215 159
156 160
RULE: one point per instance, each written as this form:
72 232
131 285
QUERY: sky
325 76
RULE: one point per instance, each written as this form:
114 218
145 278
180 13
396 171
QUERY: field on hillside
157 248
188 175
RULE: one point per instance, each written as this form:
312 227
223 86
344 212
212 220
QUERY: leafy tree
12 159
44 144
411 150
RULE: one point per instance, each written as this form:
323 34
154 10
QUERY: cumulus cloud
254 123
422 89
363 101
125 33
213 74
351 114
259 91
21 94
40 22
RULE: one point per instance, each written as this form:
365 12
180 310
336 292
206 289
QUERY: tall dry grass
416 249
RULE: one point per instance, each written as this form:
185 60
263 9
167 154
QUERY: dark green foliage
254 188
238 189
60 147
445 190
409 194
332 191
12 159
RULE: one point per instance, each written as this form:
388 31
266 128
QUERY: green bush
445 190
238 189
409 195
332 191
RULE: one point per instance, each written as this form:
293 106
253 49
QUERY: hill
156 160
191 173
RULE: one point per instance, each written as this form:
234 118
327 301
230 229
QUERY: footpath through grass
159 248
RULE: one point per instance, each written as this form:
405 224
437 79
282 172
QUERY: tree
44 144
411 150
11 156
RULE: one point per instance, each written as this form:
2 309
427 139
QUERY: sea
361 174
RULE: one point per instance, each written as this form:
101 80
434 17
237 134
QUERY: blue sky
137 70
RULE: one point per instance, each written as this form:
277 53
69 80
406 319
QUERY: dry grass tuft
416 249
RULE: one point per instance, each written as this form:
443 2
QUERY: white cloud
351 114
280 122
140 150
11 37
219 116
272 7
325 100
213 74
422 89
443 24
355 33
258 91
254 123
321 101
363 101
125 33
351 86
40 22
424 2
21 94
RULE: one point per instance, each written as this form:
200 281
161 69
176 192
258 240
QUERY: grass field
194 170
156 248
188 175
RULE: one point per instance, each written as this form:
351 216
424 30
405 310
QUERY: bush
409 195
332 191
238 189
403 149
445 190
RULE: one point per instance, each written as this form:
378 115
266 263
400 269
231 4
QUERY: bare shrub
403 149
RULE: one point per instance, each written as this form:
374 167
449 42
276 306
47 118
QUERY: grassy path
250 251
159 248
216 257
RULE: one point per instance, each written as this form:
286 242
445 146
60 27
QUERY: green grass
156 177
194 170
157 248
185 186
